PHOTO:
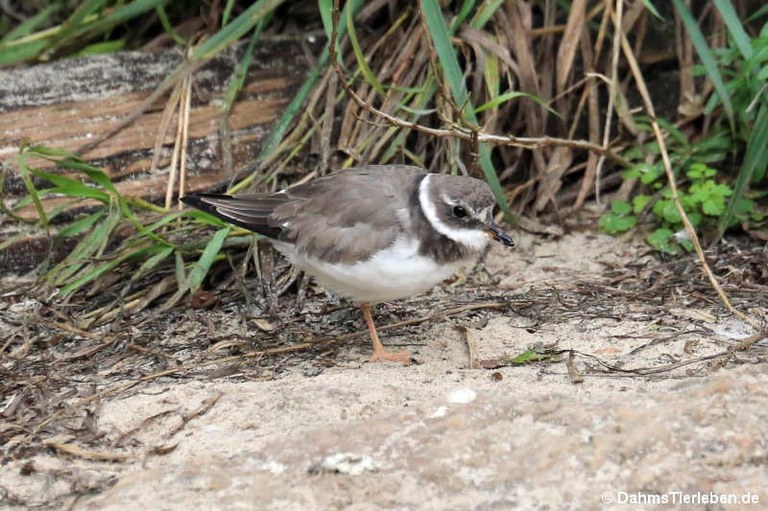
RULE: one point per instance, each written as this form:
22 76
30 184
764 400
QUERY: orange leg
379 352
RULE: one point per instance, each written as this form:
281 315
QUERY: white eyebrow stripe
472 238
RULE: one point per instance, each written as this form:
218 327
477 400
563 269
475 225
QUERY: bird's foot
401 357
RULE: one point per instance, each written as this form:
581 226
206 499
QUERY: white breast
396 272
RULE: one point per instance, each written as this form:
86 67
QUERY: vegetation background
563 107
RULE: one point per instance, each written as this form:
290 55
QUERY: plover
373 233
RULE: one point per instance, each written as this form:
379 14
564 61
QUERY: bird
372 233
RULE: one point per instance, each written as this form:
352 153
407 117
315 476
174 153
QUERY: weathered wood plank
65 104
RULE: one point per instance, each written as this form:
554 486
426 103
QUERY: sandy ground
576 430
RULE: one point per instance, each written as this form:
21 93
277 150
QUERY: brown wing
343 217
349 215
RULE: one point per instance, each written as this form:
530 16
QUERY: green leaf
711 195
621 207
695 218
663 240
484 13
237 79
168 28
91 273
280 128
326 16
91 246
674 132
700 171
613 223
639 202
13 53
714 148
649 172
528 357
713 207
667 211
686 244
205 218
89 18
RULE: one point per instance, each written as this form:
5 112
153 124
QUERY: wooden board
65 104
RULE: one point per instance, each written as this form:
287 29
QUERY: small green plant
735 145
702 197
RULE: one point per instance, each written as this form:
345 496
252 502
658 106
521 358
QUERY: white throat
473 239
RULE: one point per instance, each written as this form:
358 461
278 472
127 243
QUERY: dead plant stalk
690 231
472 135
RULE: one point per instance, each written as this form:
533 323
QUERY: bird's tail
251 211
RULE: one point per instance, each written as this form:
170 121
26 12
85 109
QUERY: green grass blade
503 98
152 262
204 218
13 54
168 28
652 9
227 12
165 220
466 8
706 57
290 112
326 16
753 168
235 30
439 33
735 28
103 23
101 48
181 275
80 226
89 274
76 19
203 265
13 240
360 57
26 178
484 13
429 89
71 187
92 245
238 76
31 23
762 11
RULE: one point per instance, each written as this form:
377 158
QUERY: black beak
494 232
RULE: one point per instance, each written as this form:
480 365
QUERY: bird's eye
460 211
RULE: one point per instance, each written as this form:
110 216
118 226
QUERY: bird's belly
396 272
